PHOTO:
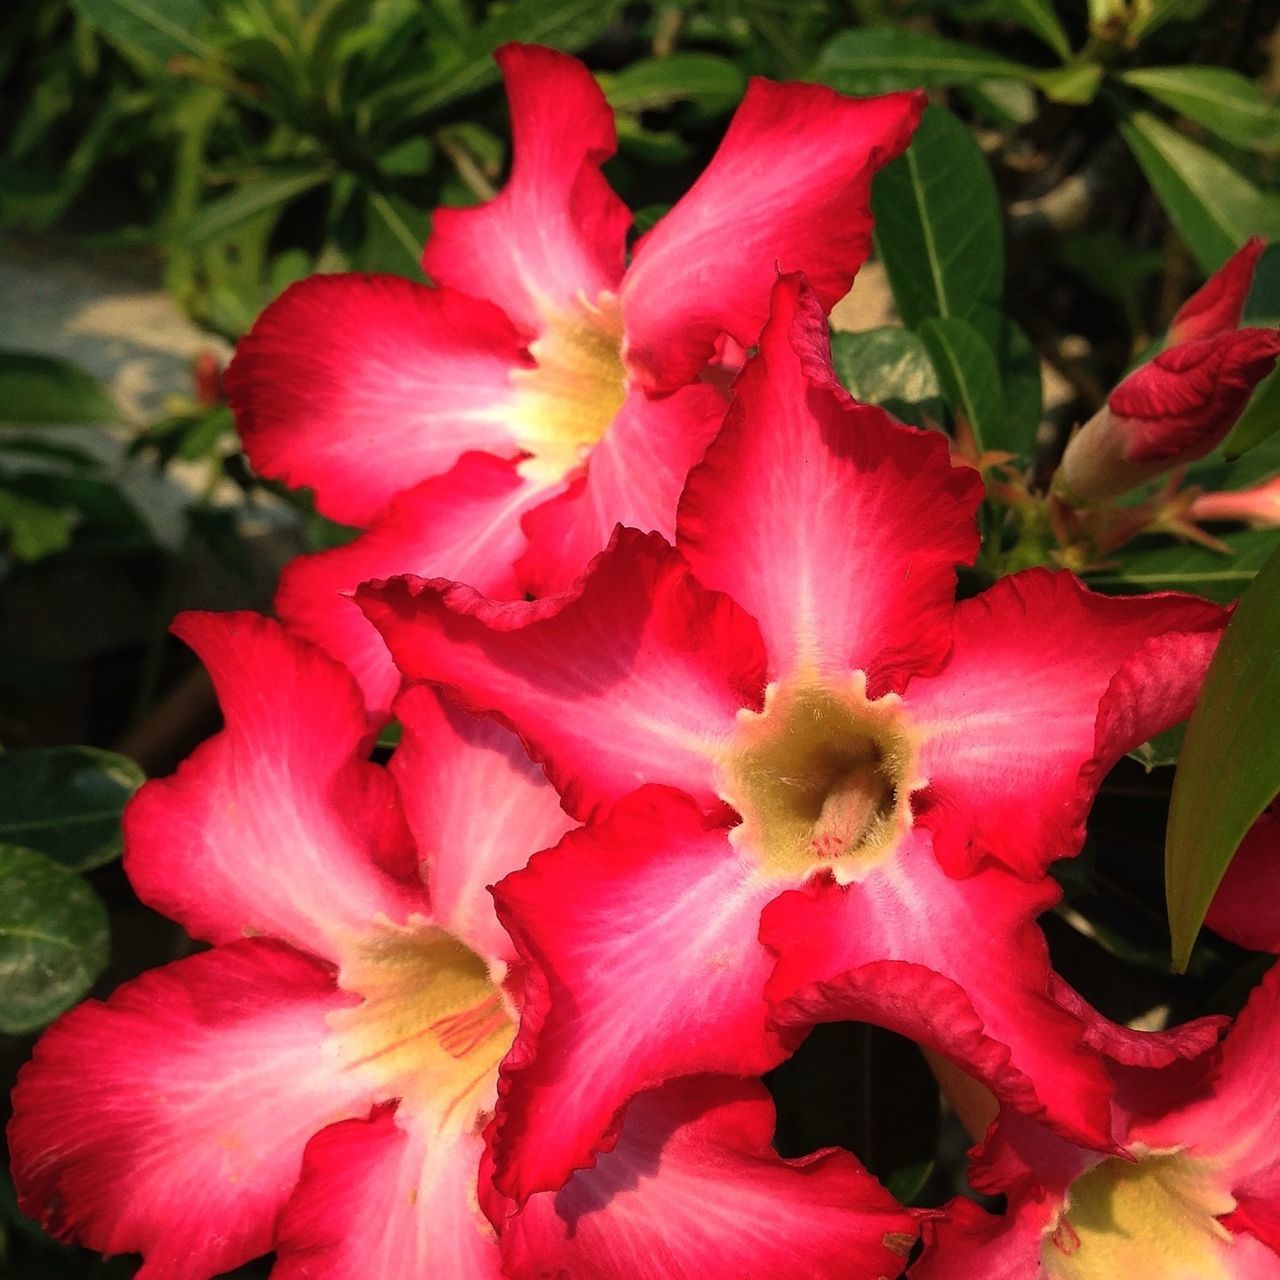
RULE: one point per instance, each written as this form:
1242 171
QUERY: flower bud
1258 506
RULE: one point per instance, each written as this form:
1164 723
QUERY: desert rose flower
1179 405
1198 1197
1258 506
1246 906
813 713
318 1083
495 426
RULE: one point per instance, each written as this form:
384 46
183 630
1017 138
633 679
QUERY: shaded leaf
1161 565
33 529
228 212
1223 101
1076 85
969 377
1038 17
1260 419
38 390
889 367
157 29
712 82
1162 750
880 59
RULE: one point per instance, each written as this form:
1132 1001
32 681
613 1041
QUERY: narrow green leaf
1162 750
38 390
33 529
66 802
938 223
229 211
1214 207
1229 770
969 377
1038 17
156 29
1076 85
1223 101
879 59
1151 15
53 939
710 81
889 367
1260 419
1160 565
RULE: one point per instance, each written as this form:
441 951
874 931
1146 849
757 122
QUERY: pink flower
1196 1198
495 427
1258 506
1246 906
318 1083
828 739
1178 406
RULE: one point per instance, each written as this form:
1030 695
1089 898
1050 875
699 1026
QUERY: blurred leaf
1223 101
1039 18
53 939
879 59
1162 750
1260 419
157 29
66 802
1215 208
712 82
34 529
1076 85
1151 15
38 390
938 223
1019 364
1158 565
1229 770
889 367
227 212
968 376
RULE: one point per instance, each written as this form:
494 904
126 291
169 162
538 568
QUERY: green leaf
53 939
938 223
1161 565
969 377
34 529
889 367
879 59
228 212
1019 364
1230 766
156 29
1214 207
1162 750
712 82
38 390
1038 17
1223 101
1076 85
1260 419
66 802
1151 15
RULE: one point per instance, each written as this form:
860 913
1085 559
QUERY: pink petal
640 934
171 1120
478 808
377 1201
1246 907
634 477
788 190
362 386
968 1243
834 526
957 965
557 230
1216 307
278 824
621 681
1047 686
694 1188
463 525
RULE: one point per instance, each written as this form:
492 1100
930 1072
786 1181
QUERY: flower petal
463 525
171 1120
640 934
622 681
478 808
1217 306
634 477
789 189
363 386
278 824
799 480
1246 907
694 1188
557 230
1048 685
377 1201
968 1243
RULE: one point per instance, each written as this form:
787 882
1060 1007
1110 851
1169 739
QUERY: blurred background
167 167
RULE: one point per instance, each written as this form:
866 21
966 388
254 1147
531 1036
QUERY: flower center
567 400
432 1026
1158 1217
822 777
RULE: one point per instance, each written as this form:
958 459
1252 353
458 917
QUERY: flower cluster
698 750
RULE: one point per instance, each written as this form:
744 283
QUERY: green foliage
889 367
968 375
38 390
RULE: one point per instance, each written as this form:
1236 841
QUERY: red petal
363 386
278 824
640 933
800 480
1047 686
464 525
789 189
968 1243
171 1120
694 1188
1246 908
622 681
557 230
1216 307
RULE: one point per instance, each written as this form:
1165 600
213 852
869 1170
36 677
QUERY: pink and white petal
694 1188
383 1200
171 1120
966 1242
640 934
959 966
463 525
478 807
363 386
629 678
557 231
789 189
1217 306
634 477
837 528
278 824
1048 684
1246 907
